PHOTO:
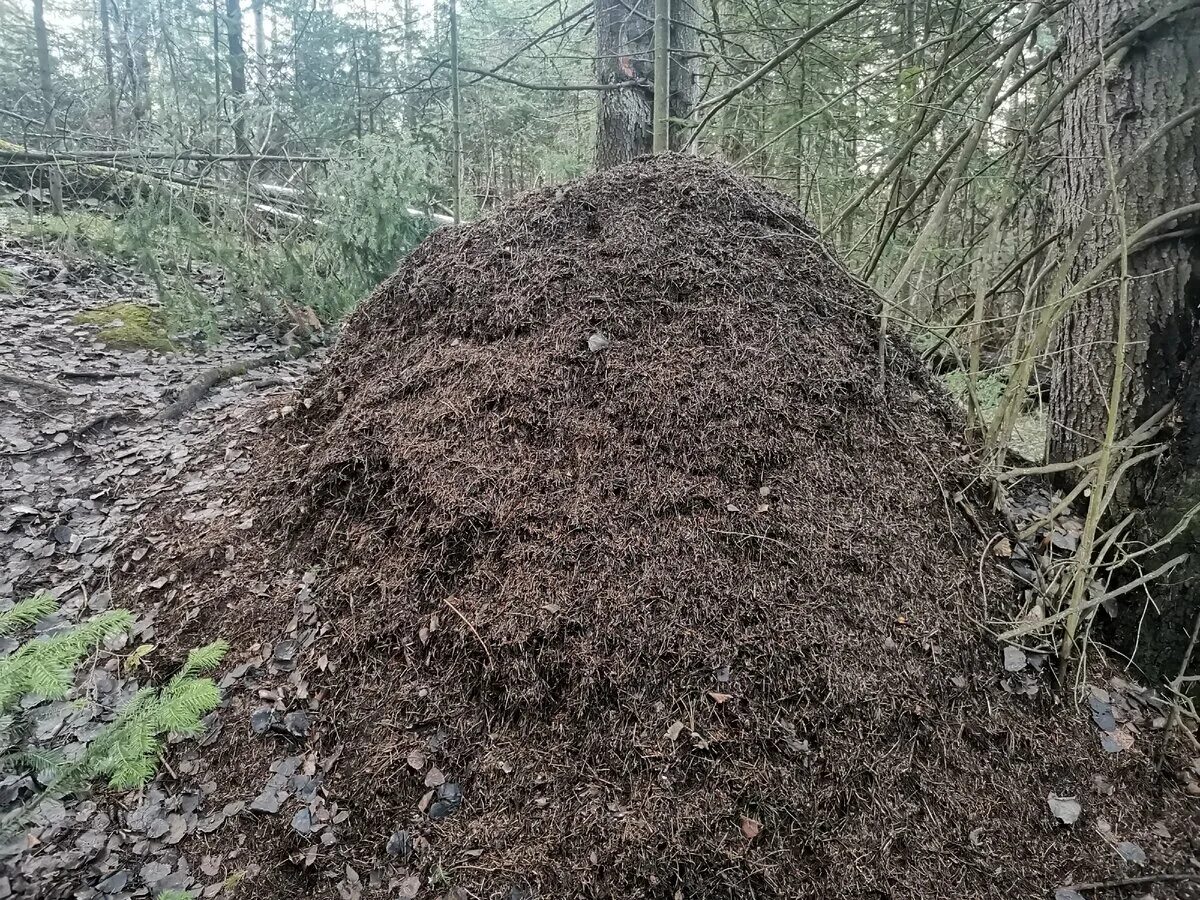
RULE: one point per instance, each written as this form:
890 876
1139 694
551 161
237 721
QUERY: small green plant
126 752
82 233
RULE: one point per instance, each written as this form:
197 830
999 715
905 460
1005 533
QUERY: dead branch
198 389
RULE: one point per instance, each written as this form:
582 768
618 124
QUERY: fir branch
27 612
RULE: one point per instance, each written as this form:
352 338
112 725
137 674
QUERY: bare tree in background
46 76
237 74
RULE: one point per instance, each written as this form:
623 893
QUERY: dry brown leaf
751 827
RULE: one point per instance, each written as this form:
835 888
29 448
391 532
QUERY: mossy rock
129 326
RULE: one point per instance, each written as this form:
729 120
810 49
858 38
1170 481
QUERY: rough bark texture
1155 81
685 67
625 52
1132 96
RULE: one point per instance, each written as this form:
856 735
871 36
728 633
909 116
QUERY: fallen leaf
1116 741
675 731
719 698
1131 852
1065 809
751 827
1014 659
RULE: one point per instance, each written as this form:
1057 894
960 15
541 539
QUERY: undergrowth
243 259
125 753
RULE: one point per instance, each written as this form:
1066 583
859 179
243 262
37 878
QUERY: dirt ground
82 461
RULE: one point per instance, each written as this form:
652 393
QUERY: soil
599 560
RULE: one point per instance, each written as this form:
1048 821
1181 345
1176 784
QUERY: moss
6 282
129 325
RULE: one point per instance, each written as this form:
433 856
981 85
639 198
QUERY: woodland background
1019 181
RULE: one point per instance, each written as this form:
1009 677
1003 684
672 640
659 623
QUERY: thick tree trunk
624 44
625 52
1145 88
1131 97
685 67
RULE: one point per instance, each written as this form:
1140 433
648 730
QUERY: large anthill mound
616 525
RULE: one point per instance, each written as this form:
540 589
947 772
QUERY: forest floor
83 454
344 763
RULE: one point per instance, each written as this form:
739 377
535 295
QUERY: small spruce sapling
126 752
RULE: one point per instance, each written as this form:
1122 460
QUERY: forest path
80 447
82 458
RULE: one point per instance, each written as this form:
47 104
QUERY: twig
1177 686
198 389
482 643
1135 880
33 383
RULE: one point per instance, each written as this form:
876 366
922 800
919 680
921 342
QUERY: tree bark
237 73
46 78
625 52
661 126
110 84
455 114
1133 96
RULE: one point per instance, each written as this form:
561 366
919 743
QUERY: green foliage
988 389
26 612
45 666
78 232
364 226
129 325
367 225
125 753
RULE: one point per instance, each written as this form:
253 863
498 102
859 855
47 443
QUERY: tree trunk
237 74
260 44
110 84
625 52
455 114
1147 87
1131 96
685 67
623 43
661 127
47 84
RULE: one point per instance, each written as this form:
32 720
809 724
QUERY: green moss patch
129 326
